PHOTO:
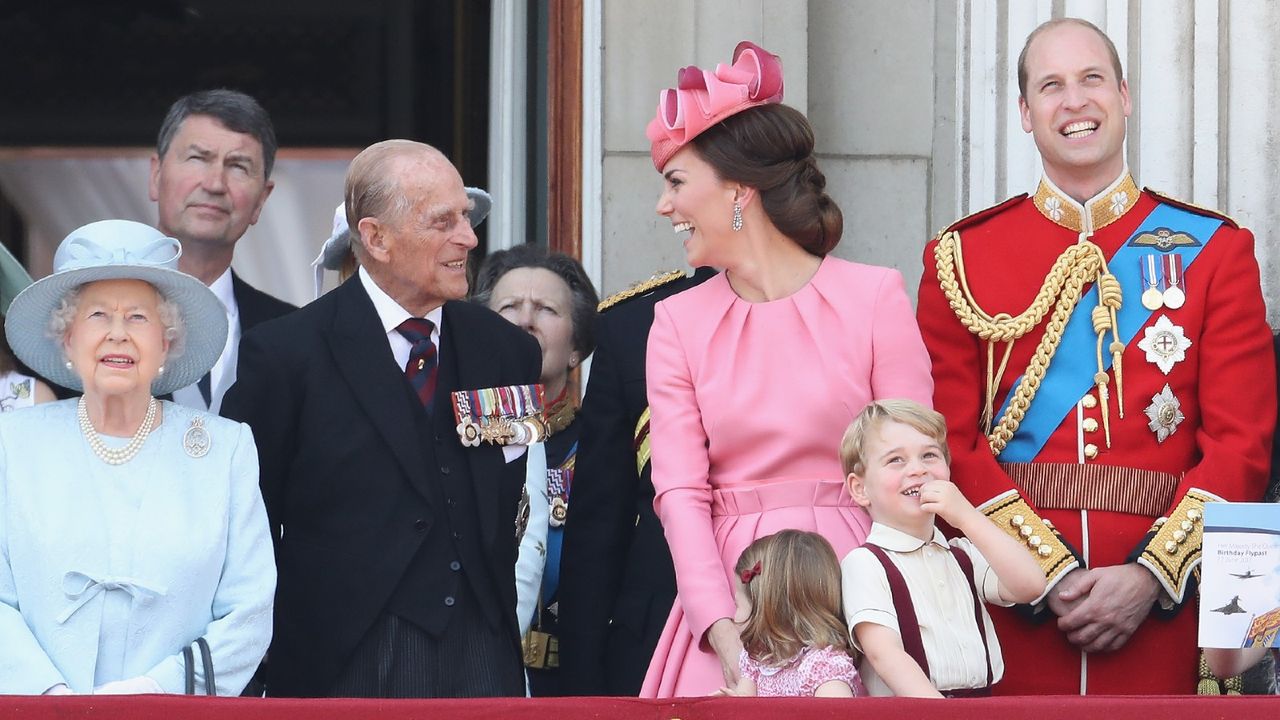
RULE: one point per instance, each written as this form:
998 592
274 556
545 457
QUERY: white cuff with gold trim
1013 515
1174 543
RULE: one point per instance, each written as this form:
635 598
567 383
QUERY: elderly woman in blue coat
129 527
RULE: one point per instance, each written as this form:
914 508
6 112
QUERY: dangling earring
573 360
68 364
737 216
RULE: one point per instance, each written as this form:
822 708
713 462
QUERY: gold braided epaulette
982 214
640 288
1013 515
1172 547
1197 209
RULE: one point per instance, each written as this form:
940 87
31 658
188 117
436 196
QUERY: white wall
58 191
914 103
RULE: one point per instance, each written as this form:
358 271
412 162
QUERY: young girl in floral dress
788 606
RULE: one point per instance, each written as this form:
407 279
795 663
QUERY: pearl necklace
112 456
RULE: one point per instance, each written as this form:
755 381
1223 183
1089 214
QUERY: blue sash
1070 374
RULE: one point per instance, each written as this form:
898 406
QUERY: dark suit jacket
255 306
345 475
617 584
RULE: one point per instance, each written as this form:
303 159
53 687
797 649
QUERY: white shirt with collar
392 314
223 373
943 604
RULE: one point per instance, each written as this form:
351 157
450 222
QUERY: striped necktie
421 368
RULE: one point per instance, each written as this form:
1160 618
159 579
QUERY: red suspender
967 566
905 609
908 626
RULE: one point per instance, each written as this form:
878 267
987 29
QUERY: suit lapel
468 364
363 357
251 313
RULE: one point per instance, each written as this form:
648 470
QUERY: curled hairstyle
175 329
853 446
770 148
795 598
582 293
1057 22
235 111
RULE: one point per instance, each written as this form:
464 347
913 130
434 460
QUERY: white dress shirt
223 373
943 604
391 315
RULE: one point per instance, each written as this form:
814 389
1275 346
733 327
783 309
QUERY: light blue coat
106 573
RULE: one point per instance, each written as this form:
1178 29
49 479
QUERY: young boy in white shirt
913 600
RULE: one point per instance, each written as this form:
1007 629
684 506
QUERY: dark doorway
332 73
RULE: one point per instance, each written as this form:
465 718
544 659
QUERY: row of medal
1163 282
1164 343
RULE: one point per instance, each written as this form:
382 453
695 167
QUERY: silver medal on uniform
1165 344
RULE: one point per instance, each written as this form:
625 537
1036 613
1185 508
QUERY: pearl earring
68 364
737 216
160 370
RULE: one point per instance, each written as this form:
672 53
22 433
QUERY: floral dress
802 675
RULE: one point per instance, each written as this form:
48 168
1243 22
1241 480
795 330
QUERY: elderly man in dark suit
395 541
210 177
617 583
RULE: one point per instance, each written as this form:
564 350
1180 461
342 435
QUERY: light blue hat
13 278
118 250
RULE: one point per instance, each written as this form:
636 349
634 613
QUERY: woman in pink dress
753 375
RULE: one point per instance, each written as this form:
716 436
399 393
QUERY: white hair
175 330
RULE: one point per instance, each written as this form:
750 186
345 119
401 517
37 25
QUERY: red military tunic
1106 503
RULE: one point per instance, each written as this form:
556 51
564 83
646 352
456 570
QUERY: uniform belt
1071 486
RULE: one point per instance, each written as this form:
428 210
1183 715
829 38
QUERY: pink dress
802 675
749 402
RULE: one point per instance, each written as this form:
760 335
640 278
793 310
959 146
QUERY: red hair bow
702 98
750 573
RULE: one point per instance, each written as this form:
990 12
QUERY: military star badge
1165 344
1164 414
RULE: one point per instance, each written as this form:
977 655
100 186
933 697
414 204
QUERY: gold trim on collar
1098 212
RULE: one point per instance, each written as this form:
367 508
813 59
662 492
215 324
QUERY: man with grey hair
210 176
393 526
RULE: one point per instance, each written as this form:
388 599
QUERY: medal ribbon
1151 272
1173 271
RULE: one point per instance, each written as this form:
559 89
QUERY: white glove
59 689
141 685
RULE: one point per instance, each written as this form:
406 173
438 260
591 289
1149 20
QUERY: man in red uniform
1102 356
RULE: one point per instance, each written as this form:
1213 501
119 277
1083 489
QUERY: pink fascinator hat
702 98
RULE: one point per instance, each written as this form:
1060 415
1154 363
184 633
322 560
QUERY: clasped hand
1099 609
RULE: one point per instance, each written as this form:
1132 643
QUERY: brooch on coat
509 415
196 440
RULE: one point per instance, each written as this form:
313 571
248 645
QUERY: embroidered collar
560 412
1096 213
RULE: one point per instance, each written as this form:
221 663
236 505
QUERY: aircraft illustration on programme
1231 608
